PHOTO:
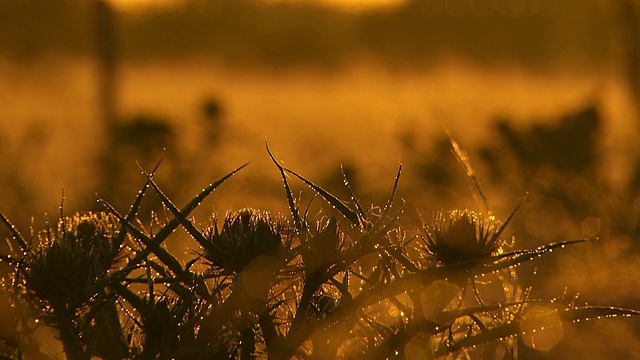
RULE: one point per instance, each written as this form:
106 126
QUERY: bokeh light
541 328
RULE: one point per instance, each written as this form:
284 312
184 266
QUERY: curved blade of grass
396 253
380 222
332 200
513 328
15 234
300 225
463 158
63 219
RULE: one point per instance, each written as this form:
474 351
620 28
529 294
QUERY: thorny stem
247 344
69 336
296 334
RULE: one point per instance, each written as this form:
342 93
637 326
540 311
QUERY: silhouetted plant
347 282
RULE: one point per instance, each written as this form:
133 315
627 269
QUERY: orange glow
142 4
355 5
349 5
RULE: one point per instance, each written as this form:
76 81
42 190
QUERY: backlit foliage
347 280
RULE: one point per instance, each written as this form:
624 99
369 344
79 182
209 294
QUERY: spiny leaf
590 312
494 263
169 260
301 226
513 328
170 226
425 277
332 200
131 297
177 213
392 196
517 257
186 210
497 234
353 197
133 210
14 233
190 263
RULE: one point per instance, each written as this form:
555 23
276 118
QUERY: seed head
244 236
68 263
461 235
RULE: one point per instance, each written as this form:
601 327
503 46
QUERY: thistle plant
245 236
61 275
462 235
349 281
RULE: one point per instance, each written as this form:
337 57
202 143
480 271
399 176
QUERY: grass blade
463 158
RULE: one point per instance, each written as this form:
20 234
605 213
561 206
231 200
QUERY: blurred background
544 95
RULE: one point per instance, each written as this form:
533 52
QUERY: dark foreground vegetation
345 280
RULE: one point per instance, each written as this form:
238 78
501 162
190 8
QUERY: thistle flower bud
245 235
461 235
67 264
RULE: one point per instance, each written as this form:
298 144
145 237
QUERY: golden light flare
541 328
437 297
